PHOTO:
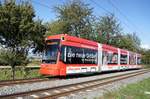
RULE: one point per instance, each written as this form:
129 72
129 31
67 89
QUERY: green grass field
146 66
20 73
140 90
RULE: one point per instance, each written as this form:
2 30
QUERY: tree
135 41
146 56
55 27
19 31
126 43
108 30
130 42
74 18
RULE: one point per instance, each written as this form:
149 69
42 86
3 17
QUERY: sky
133 15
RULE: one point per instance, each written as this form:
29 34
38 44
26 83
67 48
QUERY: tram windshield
51 51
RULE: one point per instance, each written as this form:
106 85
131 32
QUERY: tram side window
123 59
104 57
75 55
110 58
90 56
70 55
132 59
138 60
63 53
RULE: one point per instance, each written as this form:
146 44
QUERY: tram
65 55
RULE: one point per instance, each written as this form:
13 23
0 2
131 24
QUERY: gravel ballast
49 84
101 90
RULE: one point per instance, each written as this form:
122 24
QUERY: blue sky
134 17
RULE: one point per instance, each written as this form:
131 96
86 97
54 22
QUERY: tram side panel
110 60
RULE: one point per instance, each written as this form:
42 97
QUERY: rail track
55 92
23 81
32 80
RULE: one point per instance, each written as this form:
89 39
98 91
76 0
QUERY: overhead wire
41 4
100 6
122 14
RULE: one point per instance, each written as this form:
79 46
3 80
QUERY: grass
20 73
147 66
34 63
131 91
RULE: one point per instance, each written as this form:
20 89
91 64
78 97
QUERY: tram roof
73 39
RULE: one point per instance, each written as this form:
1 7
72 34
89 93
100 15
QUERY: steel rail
22 81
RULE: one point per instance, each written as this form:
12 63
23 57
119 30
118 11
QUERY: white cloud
146 46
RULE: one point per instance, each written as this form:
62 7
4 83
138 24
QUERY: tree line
20 30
